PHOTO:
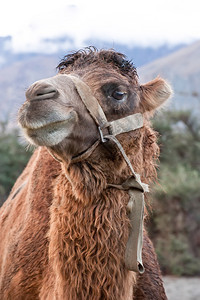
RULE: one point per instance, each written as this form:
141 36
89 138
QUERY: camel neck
87 243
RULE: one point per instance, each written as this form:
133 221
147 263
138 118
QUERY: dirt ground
182 288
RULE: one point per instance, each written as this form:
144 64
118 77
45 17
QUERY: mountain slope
14 80
20 71
182 70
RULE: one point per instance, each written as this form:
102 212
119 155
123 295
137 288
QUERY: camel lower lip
49 128
52 133
49 125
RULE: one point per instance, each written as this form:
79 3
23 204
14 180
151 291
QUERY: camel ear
154 94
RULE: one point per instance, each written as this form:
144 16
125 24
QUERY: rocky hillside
182 70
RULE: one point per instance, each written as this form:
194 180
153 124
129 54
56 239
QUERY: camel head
55 116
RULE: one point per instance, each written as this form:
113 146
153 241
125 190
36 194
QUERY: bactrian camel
68 226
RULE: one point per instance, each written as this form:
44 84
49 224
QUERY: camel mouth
34 126
50 133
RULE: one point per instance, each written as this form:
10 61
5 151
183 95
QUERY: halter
134 186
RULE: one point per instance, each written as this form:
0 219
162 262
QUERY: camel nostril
41 91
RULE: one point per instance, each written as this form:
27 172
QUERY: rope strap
137 184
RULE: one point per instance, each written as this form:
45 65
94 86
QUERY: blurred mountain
61 45
138 54
182 70
21 70
15 78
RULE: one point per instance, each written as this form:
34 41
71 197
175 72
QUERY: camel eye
118 95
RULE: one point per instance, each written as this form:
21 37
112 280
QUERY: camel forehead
96 76
90 58
93 78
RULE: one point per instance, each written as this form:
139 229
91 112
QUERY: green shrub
13 159
175 223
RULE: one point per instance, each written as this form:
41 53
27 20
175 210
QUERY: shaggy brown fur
63 233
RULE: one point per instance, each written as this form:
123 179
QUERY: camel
65 226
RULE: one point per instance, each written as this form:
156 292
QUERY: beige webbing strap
90 101
133 252
135 208
126 124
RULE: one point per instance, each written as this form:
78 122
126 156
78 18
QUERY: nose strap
90 102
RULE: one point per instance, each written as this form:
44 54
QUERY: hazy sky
147 22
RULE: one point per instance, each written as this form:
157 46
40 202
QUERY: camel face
55 116
53 112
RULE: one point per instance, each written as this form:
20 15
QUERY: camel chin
53 133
